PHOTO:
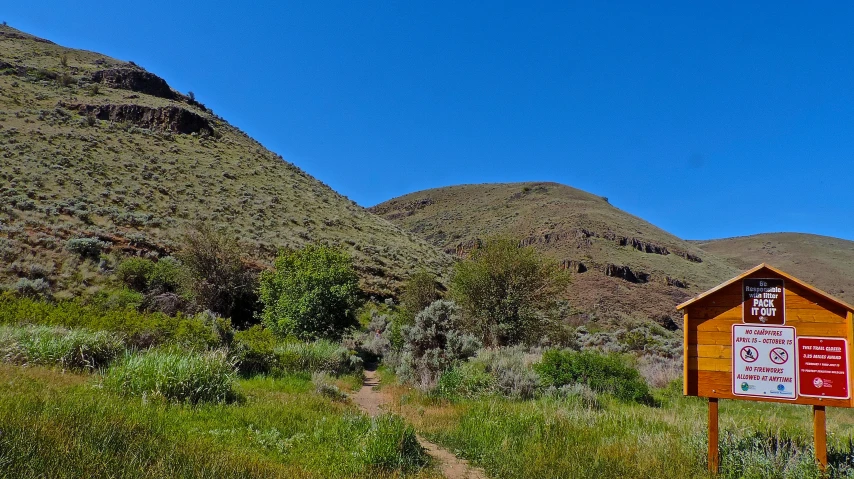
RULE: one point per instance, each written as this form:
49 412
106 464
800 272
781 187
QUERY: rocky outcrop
574 266
401 210
461 249
135 80
171 118
678 283
624 272
688 256
638 244
580 235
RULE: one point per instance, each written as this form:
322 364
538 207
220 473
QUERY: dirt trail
452 467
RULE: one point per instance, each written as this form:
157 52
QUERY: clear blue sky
709 121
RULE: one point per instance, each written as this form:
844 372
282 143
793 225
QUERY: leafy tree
216 277
311 293
507 293
420 291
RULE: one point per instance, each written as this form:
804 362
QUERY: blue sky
709 121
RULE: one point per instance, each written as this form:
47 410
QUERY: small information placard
764 301
763 361
823 367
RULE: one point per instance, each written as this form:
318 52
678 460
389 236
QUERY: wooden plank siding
708 322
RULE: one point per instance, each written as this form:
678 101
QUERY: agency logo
781 387
745 386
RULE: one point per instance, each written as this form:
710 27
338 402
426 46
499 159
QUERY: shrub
135 272
433 344
165 276
316 356
312 293
90 248
174 375
391 445
254 350
119 299
512 370
216 276
419 292
32 288
507 293
602 373
323 385
467 380
139 330
69 349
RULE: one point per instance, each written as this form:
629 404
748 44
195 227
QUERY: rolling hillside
623 266
823 261
91 146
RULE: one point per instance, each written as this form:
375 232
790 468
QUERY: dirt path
371 401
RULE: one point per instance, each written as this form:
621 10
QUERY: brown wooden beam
714 459
820 430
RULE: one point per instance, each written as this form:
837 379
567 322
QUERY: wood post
713 436
820 431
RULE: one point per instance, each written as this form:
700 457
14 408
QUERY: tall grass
139 330
175 375
316 356
53 346
54 425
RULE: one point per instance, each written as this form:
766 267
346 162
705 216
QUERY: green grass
321 355
139 330
54 346
65 426
557 438
175 375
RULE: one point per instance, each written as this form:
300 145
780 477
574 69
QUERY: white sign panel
763 361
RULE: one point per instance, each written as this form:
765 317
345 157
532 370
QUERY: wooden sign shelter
767 336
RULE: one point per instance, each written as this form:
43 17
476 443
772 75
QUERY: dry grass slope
826 262
93 146
623 265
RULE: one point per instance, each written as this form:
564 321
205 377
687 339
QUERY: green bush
174 375
468 380
419 292
316 356
507 293
312 293
139 330
166 276
254 350
90 248
604 373
135 273
391 445
76 349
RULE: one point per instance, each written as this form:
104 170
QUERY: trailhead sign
764 365
768 336
764 301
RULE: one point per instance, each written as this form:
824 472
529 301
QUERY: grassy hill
826 262
623 266
96 147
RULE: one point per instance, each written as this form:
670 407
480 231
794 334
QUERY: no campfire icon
749 354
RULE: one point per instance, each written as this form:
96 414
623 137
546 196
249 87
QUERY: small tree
311 293
506 292
216 277
419 292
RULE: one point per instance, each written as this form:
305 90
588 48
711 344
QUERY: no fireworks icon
779 355
749 354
